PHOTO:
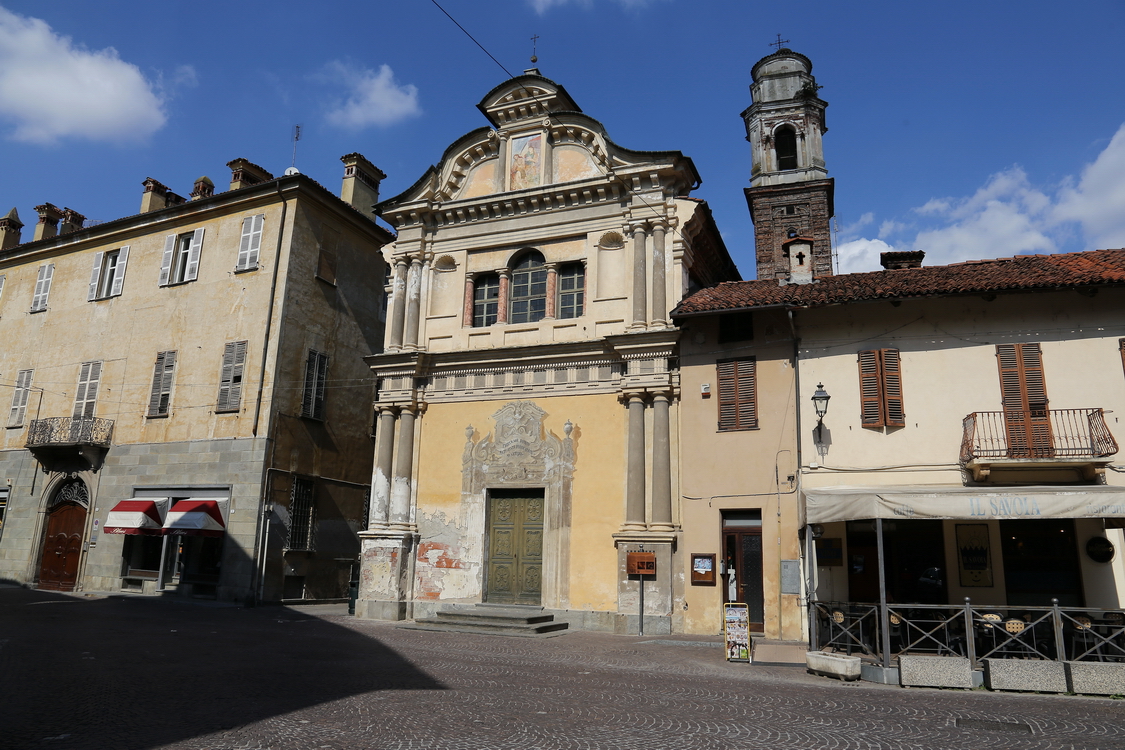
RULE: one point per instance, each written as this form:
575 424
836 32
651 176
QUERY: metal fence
1054 433
70 431
976 632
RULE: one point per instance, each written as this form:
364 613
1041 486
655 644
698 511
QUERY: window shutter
321 382
42 287
249 248
870 390
230 385
166 261
193 256
738 394
308 397
162 373
19 398
895 415
85 397
1031 360
95 275
3 276
119 272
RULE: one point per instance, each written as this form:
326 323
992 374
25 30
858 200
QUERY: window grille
302 515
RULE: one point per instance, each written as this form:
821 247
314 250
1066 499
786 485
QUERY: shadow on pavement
134 672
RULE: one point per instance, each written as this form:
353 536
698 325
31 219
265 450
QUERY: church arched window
785 147
486 299
529 289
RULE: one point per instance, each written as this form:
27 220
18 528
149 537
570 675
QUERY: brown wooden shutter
1023 392
870 389
894 414
738 394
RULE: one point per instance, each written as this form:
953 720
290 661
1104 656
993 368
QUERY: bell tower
790 193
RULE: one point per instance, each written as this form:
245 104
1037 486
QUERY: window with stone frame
572 290
528 294
181 257
486 299
785 147
108 276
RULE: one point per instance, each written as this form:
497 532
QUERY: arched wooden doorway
62 543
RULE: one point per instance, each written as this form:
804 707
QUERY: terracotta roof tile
1060 271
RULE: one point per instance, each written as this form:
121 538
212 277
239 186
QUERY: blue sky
969 130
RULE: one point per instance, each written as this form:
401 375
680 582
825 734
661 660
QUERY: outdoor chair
1083 640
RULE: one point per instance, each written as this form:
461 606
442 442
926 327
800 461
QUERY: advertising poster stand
736 631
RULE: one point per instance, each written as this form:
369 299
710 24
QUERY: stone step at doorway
492 619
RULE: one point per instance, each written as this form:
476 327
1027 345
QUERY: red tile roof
1060 271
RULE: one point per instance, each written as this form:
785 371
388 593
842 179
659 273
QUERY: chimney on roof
897 259
49 217
155 196
361 183
10 230
72 221
245 173
203 188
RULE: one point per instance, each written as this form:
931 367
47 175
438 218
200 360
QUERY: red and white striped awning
138 516
198 517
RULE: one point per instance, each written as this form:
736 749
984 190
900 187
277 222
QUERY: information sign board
736 631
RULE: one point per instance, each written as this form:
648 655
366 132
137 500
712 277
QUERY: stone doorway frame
47 500
522 455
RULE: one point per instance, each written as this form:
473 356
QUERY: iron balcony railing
1038 433
70 431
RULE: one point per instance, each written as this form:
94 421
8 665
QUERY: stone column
413 302
404 466
635 482
501 163
398 304
640 278
467 312
552 289
381 475
502 302
659 285
661 463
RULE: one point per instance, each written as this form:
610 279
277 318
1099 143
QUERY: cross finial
779 43
534 40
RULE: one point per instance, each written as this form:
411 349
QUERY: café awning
844 503
144 516
198 517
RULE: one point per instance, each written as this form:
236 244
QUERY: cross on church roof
779 43
534 40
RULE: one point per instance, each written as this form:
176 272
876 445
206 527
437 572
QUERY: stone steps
492 619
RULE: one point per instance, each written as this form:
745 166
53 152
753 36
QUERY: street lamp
820 404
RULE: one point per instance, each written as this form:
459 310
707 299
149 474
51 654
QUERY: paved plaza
133 672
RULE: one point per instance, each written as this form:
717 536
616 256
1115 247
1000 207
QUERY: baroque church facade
528 401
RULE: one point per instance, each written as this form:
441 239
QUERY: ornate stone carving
519 452
72 491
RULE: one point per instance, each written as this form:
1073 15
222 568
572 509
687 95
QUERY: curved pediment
525 97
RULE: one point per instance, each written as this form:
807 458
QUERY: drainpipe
810 572
261 543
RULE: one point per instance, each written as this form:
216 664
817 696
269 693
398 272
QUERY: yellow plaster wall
598 485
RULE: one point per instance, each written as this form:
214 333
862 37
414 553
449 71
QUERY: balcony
70 443
1074 441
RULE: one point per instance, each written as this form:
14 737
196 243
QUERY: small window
486 299
250 245
42 287
738 394
302 515
880 389
572 289
316 374
181 257
230 377
160 396
108 277
86 396
529 290
20 398
785 146
737 326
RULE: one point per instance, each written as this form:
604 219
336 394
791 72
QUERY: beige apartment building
529 394
188 406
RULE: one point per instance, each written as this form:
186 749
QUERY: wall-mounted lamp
820 404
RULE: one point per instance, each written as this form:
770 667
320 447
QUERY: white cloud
51 88
860 255
858 224
373 98
542 6
1098 201
889 227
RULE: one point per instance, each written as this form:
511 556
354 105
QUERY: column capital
637 226
631 396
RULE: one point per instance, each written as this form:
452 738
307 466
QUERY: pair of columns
394 465
641 233
406 303
636 402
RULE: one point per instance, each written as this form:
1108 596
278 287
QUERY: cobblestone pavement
131 672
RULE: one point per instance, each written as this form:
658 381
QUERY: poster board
736 631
